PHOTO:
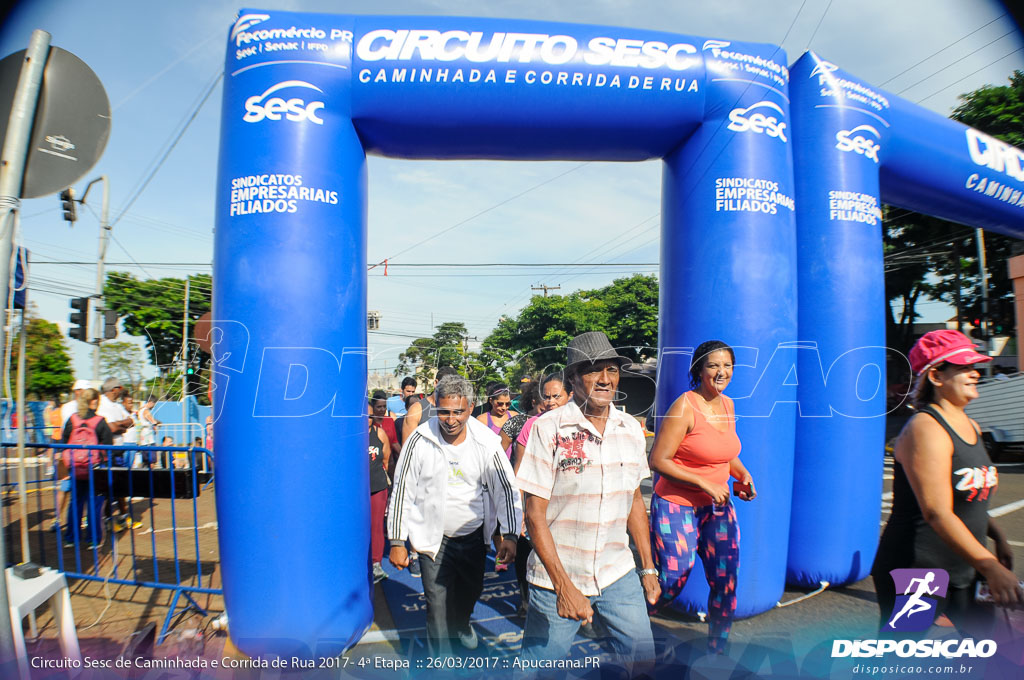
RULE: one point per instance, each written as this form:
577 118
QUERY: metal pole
184 352
98 320
12 172
980 238
22 413
956 289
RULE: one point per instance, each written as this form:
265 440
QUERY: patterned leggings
679 533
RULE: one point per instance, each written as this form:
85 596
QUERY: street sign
19 277
72 122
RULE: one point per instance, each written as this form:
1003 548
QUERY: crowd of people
552 479
107 417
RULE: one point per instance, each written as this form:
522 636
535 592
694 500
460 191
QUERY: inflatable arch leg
292 483
727 272
841 428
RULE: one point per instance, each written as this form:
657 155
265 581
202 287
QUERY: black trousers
523 549
452 583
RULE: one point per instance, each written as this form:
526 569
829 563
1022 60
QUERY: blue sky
156 60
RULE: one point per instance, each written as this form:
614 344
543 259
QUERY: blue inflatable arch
307 96
856 146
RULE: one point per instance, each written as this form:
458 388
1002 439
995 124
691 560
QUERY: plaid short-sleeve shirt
589 481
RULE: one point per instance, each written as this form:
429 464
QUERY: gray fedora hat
589 347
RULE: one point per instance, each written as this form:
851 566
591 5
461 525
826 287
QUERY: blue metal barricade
93 488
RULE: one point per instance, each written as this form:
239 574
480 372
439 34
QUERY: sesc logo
849 140
742 120
294 109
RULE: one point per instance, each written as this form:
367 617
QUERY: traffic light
1003 317
193 381
79 319
109 324
67 204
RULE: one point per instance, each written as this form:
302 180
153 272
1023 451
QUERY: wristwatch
647 572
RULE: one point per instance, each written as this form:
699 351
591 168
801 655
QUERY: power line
145 182
943 89
482 212
934 54
960 59
165 69
793 22
815 32
593 251
452 265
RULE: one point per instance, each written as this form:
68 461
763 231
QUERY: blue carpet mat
500 631
494 619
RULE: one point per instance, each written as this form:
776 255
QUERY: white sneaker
469 640
378 573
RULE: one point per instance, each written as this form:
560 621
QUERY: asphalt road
806 629
799 633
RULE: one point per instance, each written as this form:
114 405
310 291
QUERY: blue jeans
83 500
620 609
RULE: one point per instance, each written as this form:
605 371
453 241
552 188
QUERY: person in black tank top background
943 481
380 452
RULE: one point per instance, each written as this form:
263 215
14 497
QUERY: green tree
47 362
626 310
926 256
448 346
153 308
997 111
123 360
632 308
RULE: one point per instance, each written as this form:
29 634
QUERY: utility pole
98 319
956 288
184 352
546 288
980 238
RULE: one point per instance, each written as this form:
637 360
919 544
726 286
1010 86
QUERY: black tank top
427 411
378 476
909 541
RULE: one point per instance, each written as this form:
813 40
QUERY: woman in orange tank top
695 454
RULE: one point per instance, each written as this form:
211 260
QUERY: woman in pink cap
943 481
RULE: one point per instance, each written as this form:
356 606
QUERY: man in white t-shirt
119 421
71 406
453 487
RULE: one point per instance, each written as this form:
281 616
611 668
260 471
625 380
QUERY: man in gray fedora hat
581 475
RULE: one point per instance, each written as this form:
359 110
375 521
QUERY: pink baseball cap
937 347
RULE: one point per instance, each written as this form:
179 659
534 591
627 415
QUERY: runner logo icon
917 591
